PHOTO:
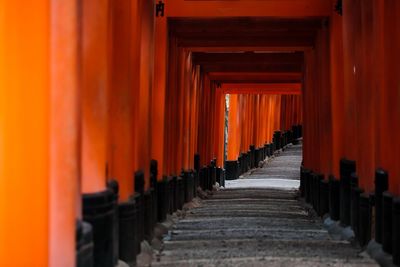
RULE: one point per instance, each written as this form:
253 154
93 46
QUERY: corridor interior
250 223
199 133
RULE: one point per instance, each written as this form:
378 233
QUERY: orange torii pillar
219 127
337 91
98 202
64 193
388 123
233 128
250 117
359 91
158 94
144 51
290 111
37 156
317 114
389 110
120 162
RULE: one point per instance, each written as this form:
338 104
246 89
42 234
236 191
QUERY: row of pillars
252 119
113 230
75 114
254 157
353 117
81 108
371 215
351 103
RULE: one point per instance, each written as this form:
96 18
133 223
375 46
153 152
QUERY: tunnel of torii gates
92 91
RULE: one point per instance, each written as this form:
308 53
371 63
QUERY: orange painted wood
389 100
121 104
253 119
337 91
94 85
261 88
64 140
244 8
142 124
24 125
233 128
159 94
317 147
255 77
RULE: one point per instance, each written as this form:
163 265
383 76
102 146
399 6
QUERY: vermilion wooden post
390 108
367 96
24 126
351 26
64 189
323 97
310 140
337 90
120 162
220 125
233 128
143 126
94 83
159 92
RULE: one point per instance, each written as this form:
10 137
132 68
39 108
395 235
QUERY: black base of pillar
163 199
354 204
307 187
355 210
181 193
396 231
317 178
98 210
267 150
114 187
127 231
252 156
241 163
246 162
221 177
188 181
139 204
173 194
196 178
154 208
231 170
334 198
323 198
258 157
202 178
347 167
387 222
365 216
381 185
213 176
303 173
148 215
277 140
84 245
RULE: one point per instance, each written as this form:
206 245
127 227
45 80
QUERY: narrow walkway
257 226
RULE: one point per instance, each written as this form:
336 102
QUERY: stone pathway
256 226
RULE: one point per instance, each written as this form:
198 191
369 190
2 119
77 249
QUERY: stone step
244 226
267 261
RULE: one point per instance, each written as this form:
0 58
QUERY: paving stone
256 227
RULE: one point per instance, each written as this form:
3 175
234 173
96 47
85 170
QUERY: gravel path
256 226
